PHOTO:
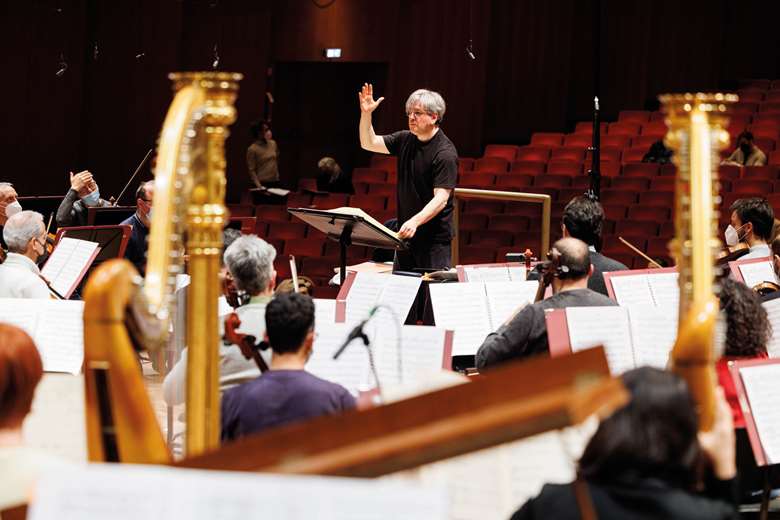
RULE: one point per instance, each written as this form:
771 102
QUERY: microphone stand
595 166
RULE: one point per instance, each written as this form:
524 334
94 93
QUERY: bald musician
83 193
20 277
525 333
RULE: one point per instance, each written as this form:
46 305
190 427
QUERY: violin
234 296
548 270
246 342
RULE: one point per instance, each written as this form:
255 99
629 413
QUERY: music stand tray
112 239
110 215
349 226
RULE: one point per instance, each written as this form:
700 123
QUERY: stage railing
534 198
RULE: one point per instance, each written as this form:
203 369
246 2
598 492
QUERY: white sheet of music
68 260
399 293
422 353
665 289
632 290
350 369
56 423
125 491
517 273
461 307
760 383
653 333
758 272
363 295
607 326
496 273
504 298
773 311
324 311
56 327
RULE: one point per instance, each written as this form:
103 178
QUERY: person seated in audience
751 222
746 152
262 156
583 218
525 332
140 222
250 265
658 153
9 207
20 277
331 178
645 460
287 393
21 370
83 193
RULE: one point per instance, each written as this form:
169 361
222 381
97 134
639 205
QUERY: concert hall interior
451 259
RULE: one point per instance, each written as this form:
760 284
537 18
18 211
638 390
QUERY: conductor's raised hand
366 99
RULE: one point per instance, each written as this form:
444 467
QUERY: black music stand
112 239
348 229
109 215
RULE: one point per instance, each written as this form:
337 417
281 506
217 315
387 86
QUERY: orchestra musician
250 266
524 334
83 193
20 277
427 176
140 222
9 207
752 221
287 393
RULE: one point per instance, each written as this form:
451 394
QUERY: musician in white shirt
751 222
20 277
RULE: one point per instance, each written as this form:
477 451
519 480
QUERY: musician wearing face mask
140 222
751 222
20 277
83 193
746 153
524 334
9 207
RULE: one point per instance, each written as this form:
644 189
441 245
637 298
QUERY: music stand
108 216
112 239
347 229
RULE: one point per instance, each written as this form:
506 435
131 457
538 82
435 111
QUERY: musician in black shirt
427 175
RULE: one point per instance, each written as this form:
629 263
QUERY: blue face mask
92 199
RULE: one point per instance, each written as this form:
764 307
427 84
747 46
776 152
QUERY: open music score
501 272
657 287
754 271
474 310
364 290
773 314
55 326
68 264
97 491
631 336
756 385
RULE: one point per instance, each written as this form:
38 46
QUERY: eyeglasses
417 114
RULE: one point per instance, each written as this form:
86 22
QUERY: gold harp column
206 218
697 132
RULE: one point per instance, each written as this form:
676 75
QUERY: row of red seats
759 84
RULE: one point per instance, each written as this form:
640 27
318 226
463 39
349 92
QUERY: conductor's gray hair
21 228
250 261
431 101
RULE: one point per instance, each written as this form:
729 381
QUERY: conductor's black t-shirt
423 166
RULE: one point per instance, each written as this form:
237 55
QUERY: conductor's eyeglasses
417 114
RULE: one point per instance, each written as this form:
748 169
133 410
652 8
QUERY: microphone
357 333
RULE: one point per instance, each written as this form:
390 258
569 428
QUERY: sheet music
755 273
56 422
495 273
462 307
607 326
773 312
363 295
653 333
126 491
56 327
504 298
399 294
760 384
517 273
350 370
67 262
665 289
422 353
632 290
324 312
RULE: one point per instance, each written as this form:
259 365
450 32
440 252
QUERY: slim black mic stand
595 165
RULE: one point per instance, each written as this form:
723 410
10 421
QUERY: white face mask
13 208
732 236
91 199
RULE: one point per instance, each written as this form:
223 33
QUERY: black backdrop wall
533 72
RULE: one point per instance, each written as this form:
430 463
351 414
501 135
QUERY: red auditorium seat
578 139
766 145
774 201
757 84
319 267
774 157
332 200
476 255
634 154
582 182
586 127
744 108
568 153
491 238
613 211
750 96
552 181
368 203
480 180
770 107
649 213
666 183
657 198
623 128
767 173
527 167
508 152
241 210
388 190
640 170
658 246
729 171
550 140
636 228
298 200
272 214
608 169
483 207
606 154
261 228
523 209
562 167
508 223
498 164
303 247
617 196
307 183
566 194
751 186
769 119
739 120
513 182
668 169
392 176
765 132
634 116
656 116
286 230
332 248
368 175
645 141
533 153
465 164
473 222
630 183
616 141
773 96
384 162
656 128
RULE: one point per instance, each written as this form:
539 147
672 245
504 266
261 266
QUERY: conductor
427 175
